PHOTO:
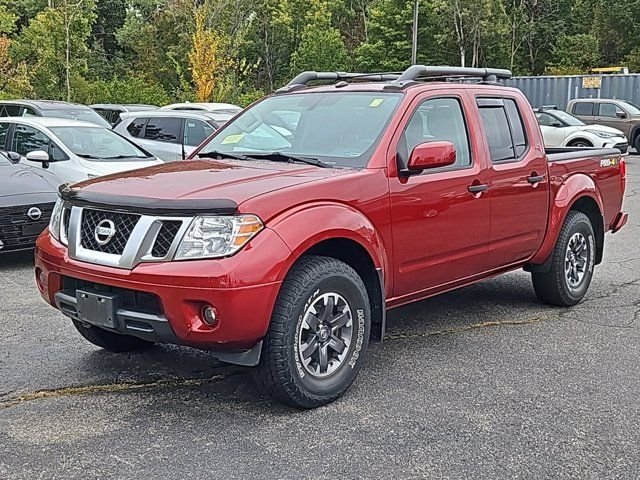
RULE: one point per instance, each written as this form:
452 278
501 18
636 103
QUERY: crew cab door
519 185
440 228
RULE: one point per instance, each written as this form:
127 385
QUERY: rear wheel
114 342
572 263
580 143
318 335
636 144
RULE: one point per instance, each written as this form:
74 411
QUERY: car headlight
603 134
217 236
56 217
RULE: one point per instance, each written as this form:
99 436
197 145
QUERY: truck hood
199 181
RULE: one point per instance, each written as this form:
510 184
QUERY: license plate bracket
97 308
31 229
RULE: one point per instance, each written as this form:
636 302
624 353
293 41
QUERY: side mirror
14 157
39 156
430 155
556 124
621 115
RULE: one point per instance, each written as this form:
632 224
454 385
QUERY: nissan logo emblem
104 232
34 213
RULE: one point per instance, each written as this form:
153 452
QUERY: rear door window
9 111
135 127
504 129
584 109
28 139
163 129
27 112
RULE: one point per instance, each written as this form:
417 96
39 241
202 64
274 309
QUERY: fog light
209 315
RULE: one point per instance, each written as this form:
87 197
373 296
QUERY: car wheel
580 143
572 263
636 144
318 335
114 342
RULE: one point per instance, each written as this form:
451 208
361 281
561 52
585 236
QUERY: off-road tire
553 287
636 143
113 342
280 372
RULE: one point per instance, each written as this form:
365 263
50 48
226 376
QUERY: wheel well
357 257
576 140
589 207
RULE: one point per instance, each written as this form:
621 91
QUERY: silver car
169 134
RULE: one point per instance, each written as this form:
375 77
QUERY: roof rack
400 80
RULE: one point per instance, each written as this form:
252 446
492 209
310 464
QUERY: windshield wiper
214 154
120 157
90 157
287 157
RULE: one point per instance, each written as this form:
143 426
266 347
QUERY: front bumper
242 288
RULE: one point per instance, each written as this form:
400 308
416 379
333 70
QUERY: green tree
321 45
574 54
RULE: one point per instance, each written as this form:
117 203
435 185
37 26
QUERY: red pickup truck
292 230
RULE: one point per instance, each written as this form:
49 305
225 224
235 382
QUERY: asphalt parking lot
484 382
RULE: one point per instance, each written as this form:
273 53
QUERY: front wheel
318 334
572 263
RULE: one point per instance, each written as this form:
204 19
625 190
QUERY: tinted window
496 129
27 112
163 129
195 131
609 110
27 139
583 108
4 128
9 111
135 127
436 120
517 126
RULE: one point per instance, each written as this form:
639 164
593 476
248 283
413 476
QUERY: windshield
567 118
630 107
94 143
84 114
340 128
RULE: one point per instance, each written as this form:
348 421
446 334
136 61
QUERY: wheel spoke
313 321
311 347
323 361
328 309
339 321
336 344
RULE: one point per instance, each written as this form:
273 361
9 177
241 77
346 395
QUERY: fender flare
298 228
573 189
580 136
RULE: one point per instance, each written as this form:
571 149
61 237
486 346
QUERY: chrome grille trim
138 248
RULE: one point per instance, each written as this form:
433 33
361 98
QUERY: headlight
603 134
54 222
219 236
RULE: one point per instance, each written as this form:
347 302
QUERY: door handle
533 179
478 188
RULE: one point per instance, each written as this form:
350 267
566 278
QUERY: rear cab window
584 109
503 128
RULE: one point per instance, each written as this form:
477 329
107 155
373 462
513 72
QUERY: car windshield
567 118
339 128
100 144
84 114
4 160
630 107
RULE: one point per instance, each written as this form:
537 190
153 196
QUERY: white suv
560 129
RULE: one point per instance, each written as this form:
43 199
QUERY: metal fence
559 90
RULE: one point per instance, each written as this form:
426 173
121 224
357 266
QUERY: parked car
220 108
618 114
561 129
50 108
171 135
70 149
285 250
111 111
27 197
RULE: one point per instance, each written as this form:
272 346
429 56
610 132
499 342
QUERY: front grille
131 299
17 230
124 225
623 147
165 238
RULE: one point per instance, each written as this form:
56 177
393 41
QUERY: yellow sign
232 139
376 102
591 82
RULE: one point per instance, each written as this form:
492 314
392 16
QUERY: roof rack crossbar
399 80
